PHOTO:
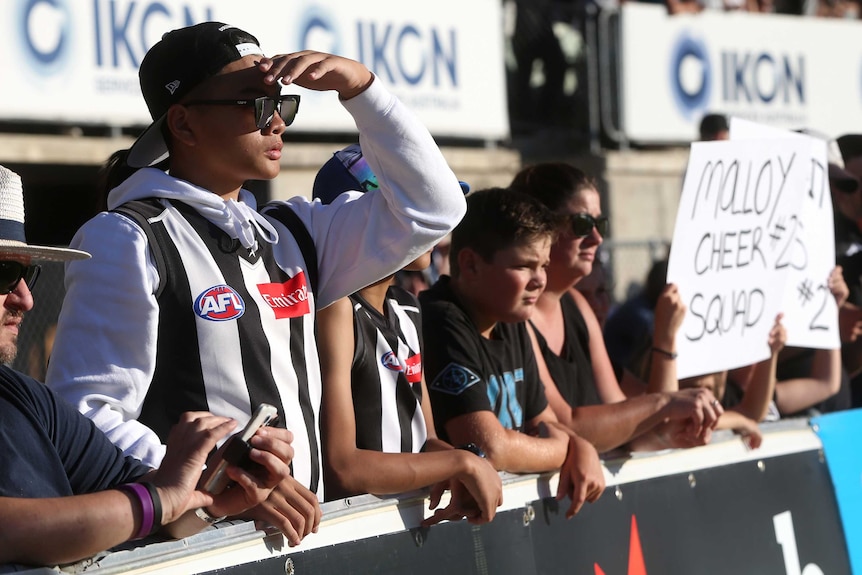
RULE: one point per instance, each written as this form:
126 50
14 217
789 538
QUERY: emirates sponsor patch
288 299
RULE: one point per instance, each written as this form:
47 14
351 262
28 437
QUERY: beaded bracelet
150 504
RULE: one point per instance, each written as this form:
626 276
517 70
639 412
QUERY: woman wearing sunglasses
194 299
579 381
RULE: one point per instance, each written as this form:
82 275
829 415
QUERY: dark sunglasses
265 107
583 224
13 272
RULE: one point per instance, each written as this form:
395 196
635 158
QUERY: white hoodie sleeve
104 353
361 238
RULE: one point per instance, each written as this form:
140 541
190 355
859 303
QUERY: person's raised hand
837 286
777 335
669 313
318 71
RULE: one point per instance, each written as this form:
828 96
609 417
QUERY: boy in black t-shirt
485 387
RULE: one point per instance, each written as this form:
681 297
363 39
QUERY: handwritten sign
810 311
738 235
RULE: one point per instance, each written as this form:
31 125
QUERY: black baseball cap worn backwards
181 60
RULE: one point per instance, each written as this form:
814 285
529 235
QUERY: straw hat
12 240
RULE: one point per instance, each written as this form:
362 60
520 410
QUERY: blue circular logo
317 30
690 75
45 28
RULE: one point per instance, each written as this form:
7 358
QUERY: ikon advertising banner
747 245
76 61
783 71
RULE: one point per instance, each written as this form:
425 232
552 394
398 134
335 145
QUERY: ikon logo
219 303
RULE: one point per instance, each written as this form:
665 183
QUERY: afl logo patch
219 303
390 361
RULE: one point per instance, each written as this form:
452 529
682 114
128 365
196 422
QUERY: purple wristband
147 513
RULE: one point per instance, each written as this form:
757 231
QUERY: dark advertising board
772 516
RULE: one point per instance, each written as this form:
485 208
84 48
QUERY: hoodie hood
238 219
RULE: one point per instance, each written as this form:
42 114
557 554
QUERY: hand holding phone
237 447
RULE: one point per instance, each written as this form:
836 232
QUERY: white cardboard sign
810 311
738 235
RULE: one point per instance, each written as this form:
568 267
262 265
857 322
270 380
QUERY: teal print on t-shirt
508 409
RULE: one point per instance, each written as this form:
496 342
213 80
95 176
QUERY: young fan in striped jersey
194 300
376 424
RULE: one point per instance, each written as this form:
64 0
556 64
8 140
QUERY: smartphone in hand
237 448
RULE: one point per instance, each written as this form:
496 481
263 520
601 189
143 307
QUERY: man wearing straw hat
62 481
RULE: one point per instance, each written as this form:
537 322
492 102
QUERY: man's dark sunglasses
13 272
583 224
265 107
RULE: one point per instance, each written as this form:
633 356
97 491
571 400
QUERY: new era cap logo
172 87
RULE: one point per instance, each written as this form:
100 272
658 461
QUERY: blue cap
346 171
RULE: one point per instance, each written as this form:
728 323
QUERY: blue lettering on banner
504 399
124 31
751 77
747 77
45 28
384 48
402 53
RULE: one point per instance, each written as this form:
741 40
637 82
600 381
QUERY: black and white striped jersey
234 331
386 376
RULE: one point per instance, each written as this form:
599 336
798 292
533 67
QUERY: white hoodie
110 314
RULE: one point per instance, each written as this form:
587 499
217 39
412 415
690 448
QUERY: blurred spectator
714 127
746 393
534 40
629 327
683 6
797 7
845 171
412 281
595 289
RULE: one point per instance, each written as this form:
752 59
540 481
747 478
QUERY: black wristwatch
472 448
